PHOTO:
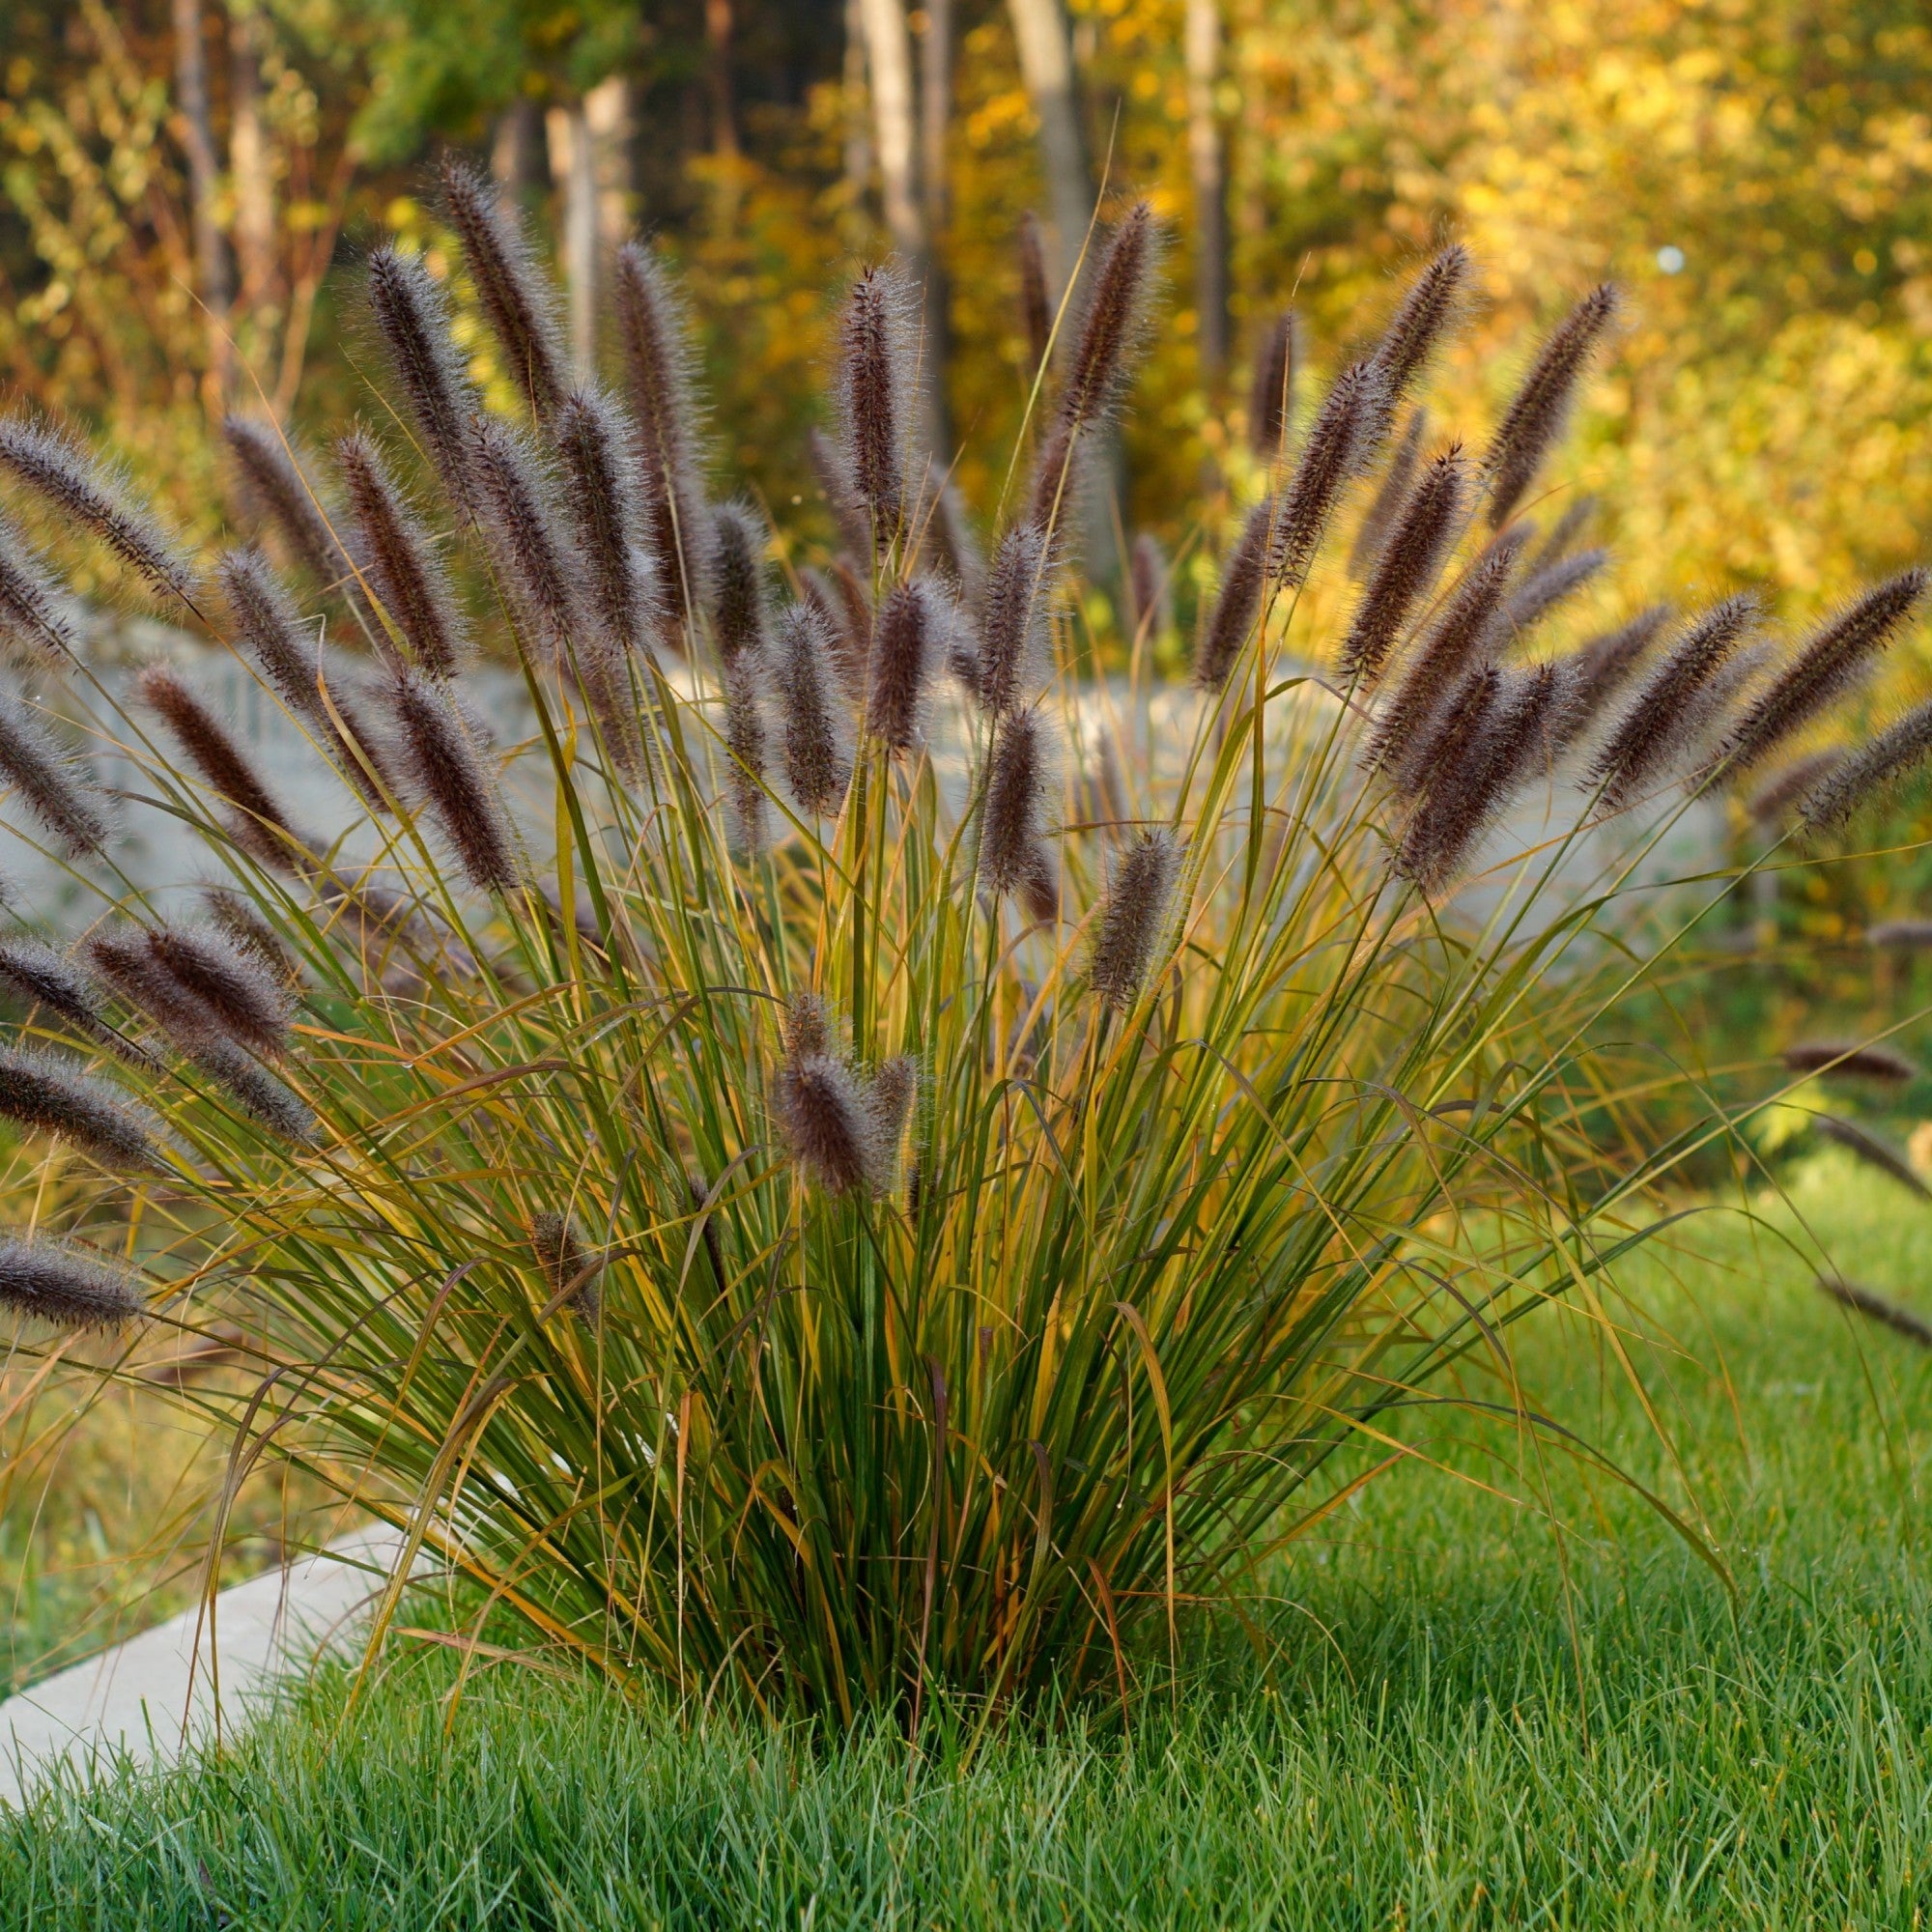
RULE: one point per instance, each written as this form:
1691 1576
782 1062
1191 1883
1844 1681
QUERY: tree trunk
896 130
516 157
718 75
1046 65
1203 34
609 115
571 168
858 136
197 139
248 160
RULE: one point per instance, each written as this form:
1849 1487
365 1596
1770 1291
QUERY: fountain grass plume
1011 661
1872 1151
245 1001
48 1094
437 746
1832 662
402 562
1660 720
1237 601
1419 324
1139 897
514 501
33 972
605 495
914 623
737 582
1018 774
1850 781
1391 496
258 822
273 479
1115 314
566 1273
1339 443
32 621
1406 565
50 780
1536 416
412 315
1547 586
817 765
1606 664
1271 387
57 1284
515 294
1853 1060
75 485
874 391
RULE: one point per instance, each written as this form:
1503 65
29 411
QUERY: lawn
1479 1710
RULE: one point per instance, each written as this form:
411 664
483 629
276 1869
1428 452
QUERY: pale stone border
146 1699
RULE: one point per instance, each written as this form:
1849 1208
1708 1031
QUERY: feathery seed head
1016 786
1391 493
1832 661
745 746
1132 920
70 1289
52 782
1340 440
75 485
1426 311
438 747
1056 478
658 367
1833 795
520 305
1792 786
849 514
52 1095
1111 323
913 622
737 582
1406 565
237 921
282 493
266 1100
1547 586
1871 1062
805 1025
1605 664
33 618
888 1100
38 974
1237 603
816 764
1566 533
246 1003
260 825
1271 393
607 515
874 391
402 562
823 1116
412 317
513 500
1535 419
565 1271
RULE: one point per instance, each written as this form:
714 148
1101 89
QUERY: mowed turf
1535 1708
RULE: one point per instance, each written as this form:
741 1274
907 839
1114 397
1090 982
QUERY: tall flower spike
447 777
1447 650
237 921
50 780
73 485
564 1265
824 1120
402 564
658 367
1016 788
1569 528
605 512
1837 793
1426 312
1391 493
1651 729
49 1095
912 620
1112 321
282 493
888 1102
288 654
745 745
1271 392
1604 666
1340 440
1035 309
412 316
31 617
1831 664
1138 898
44 977
1012 622
513 502
1406 565
1792 788
261 826
737 582
1547 586
1238 601
1535 419
816 765
244 1003
70 1289
874 376
509 284
848 623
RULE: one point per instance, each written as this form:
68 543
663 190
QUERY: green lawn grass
1547 1711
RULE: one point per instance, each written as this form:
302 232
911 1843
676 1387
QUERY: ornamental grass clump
743 1166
